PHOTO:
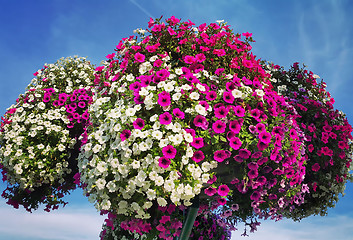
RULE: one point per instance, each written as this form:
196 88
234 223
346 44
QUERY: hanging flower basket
39 137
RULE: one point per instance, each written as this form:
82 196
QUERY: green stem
190 219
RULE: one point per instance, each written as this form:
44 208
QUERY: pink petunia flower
178 113
164 99
165 118
169 151
139 57
210 191
315 167
201 121
189 59
211 95
198 156
197 143
164 162
235 143
221 112
265 137
223 190
228 97
125 134
139 123
219 126
220 155
239 111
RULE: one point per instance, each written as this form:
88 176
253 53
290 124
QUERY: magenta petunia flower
255 113
220 155
260 127
244 153
178 113
85 115
169 151
221 201
219 126
228 97
210 191
135 86
200 57
265 137
315 167
239 111
253 166
255 196
139 123
262 160
235 143
63 97
223 190
139 57
81 104
198 156
253 174
261 145
165 118
164 162
211 95
189 59
238 159
234 126
46 97
277 172
221 112
125 134
201 121
197 143
164 99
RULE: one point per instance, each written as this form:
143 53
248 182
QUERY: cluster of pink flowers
167 224
328 152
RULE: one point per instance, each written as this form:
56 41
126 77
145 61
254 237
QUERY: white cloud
79 223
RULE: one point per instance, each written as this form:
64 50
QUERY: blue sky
317 33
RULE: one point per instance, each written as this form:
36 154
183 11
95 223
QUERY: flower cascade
174 108
328 137
39 134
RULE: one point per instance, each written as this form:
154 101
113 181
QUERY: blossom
219 126
198 156
164 162
165 118
139 57
139 123
223 190
164 99
125 134
220 155
169 151
197 143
